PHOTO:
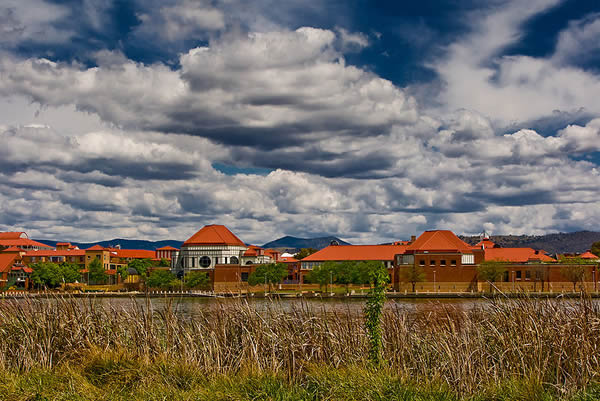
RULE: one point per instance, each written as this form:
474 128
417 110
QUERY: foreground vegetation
81 349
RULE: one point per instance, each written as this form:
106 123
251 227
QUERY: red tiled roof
22 242
167 248
356 252
134 253
13 249
287 259
54 252
12 235
28 270
588 255
214 234
439 241
97 248
516 255
6 261
486 242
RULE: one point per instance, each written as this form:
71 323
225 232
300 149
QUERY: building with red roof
20 240
13 271
165 252
212 245
516 255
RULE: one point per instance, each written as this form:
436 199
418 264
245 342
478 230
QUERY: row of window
206 261
434 262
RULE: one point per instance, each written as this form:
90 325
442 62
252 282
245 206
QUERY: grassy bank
80 349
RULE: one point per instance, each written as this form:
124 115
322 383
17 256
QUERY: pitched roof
6 261
288 259
12 235
588 255
214 234
356 252
13 249
486 243
97 248
56 252
23 242
439 241
167 248
516 255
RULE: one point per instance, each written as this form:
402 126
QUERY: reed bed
549 343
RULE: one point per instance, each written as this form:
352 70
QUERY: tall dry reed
550 342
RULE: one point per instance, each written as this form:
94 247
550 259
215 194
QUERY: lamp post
434 286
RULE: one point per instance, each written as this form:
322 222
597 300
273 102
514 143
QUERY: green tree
140 265
346 273
491 271
70 272
323 273
378 276
160 279
123 272
595 249
46 274
196 279
304 252
573 273
164 263
96 272
413 274
272 273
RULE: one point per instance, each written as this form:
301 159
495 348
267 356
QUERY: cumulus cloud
515 88
129 148
32 21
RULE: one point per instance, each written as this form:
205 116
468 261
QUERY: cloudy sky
371 120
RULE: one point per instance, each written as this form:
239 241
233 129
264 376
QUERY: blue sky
371 120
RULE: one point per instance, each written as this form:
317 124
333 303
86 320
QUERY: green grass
115 379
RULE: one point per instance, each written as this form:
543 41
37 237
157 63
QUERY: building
165 252
13 271
20 240
339 253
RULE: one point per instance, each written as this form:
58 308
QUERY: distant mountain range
290 243
579 241
124 243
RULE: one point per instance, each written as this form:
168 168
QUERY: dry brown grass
547 342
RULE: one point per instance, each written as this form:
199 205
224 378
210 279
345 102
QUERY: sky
370 120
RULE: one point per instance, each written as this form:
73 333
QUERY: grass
525 349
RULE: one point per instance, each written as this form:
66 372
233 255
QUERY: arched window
249 262
234 260
204 261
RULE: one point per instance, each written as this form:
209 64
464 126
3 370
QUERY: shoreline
315 296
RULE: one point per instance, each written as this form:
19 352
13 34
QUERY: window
453 262
193 262
249 262
204 261
527 274
421 262
244 277
432 263
97 256
518 273
234 261
217 261
443 262
505 276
